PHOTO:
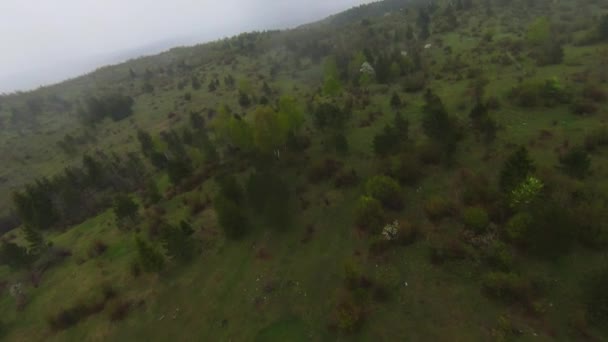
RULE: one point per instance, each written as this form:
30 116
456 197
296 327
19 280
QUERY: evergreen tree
438 125
150 259
197 121
516 169
145 142
576 163
179 242
395 100
125 208
178 169
152 194
14 256
35 240
196 84
231 217
269 197
603 27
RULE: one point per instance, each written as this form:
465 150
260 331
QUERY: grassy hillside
399 171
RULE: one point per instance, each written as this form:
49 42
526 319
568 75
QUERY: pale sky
45 41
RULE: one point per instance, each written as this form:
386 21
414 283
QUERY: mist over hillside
62 56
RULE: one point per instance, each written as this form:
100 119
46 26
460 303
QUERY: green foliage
592 218
369 214
340 144
327 115
539 31
231 217
14 256
35 240
509 287
576 163
178 242
437 124
437 207
230 189
331 86
482 122
233 130
269 197
291 113
152 194
196 84
269 131
596 298
526 192
516 169
386 190
115 106
35 207
145 142
414 82
396 101
150 259
392 138
349 316
405 168
499 255
603 27
553 230
534 93
124 207
518 226
476 218
197 121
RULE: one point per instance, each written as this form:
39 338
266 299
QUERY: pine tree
516 169
179 242
395 100
36 244
13 255
150 259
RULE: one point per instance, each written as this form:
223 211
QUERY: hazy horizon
53 41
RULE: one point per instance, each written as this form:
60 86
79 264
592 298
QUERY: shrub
535 93
437 207
596 298
414 82
71 316
517 227
499 255
446 249
149 258
231 217
346 178
369 213
323 169
120 310
552 231
516 169
509 287
430 153
592 218
386 190
349 316
596 138
576 163
97 248
476 218
407 169
125 208
526 192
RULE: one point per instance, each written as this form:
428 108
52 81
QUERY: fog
44 42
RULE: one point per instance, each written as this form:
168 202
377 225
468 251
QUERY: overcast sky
44 41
